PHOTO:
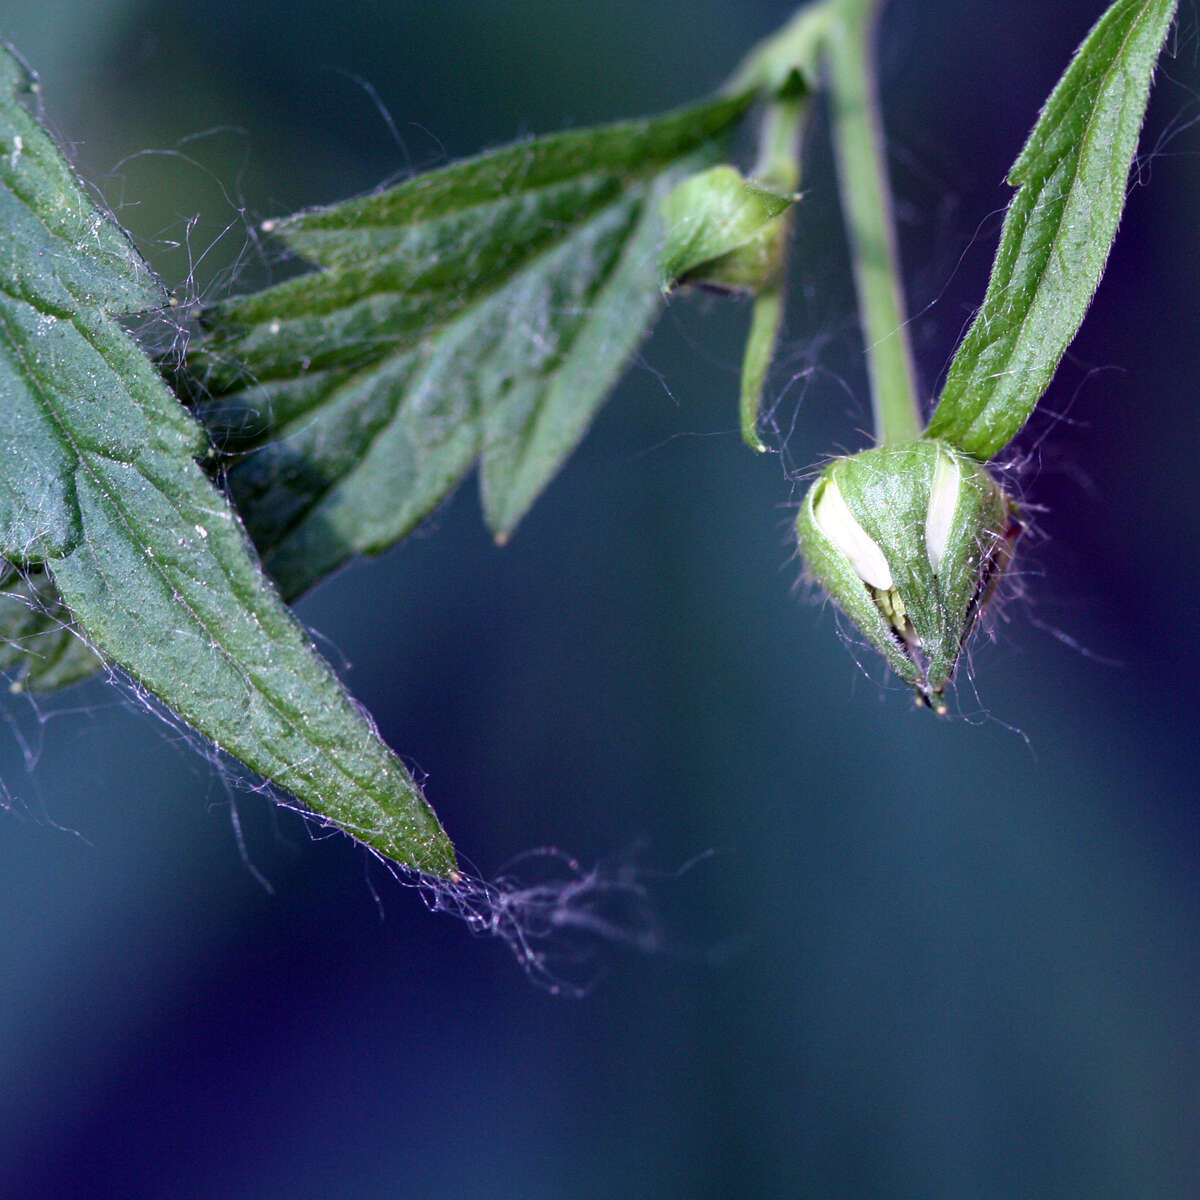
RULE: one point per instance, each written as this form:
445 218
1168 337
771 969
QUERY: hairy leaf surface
1071 179
482 311
37 638
100 487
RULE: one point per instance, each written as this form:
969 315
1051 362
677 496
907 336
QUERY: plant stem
778 168
770 67
765 320
867 209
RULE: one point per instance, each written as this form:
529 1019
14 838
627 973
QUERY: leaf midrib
83 464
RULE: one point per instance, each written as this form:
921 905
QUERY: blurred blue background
927 959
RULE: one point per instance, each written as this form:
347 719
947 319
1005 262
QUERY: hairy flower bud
724 232
909 540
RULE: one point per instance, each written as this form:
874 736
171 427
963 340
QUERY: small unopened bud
724 232
909 540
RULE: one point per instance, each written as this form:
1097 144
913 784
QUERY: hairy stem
765 321
867 208
771 67
778 165
778 168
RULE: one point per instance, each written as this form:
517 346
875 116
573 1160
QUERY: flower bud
723 232
910 541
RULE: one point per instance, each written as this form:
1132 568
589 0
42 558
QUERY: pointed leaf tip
478 313
99 489
1071 178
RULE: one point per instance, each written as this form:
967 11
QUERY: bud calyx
724 231
909 540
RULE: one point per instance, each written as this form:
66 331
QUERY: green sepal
479 313
724 231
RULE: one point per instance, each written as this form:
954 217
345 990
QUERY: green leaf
37 636
482 311
1071 177
99 484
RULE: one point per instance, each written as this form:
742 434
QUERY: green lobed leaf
37 635
99 485
482 311
1071 179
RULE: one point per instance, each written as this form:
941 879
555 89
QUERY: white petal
943 503
837 523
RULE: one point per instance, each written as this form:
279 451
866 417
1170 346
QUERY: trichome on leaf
102 491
